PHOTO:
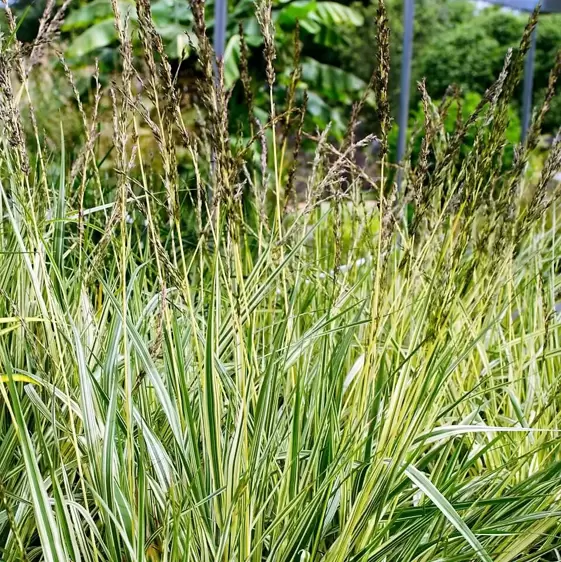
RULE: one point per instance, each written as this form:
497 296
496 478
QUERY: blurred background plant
89 35
466 105
456 42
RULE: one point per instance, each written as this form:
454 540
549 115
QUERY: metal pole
220 19
219 40
528 84
407 55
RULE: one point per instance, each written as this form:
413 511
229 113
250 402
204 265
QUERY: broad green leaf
176 38
181 45
170 30
333 14
171 11
335 84
97 36
313 15
93 12
296 11
231 60
311 26
252 32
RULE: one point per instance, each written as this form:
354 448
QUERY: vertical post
220 19
407 55
219 44
528 85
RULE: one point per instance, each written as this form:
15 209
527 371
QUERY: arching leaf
312 15
333 14
296 11
231 60
334 83
18 378
94 12
171 11
426 486
98 36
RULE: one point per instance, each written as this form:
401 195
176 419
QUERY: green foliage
321 19
547 45
98 35
466 56
331 89
471 54
468 104
92 27
231 61
455 43
432 19
336 85
316 378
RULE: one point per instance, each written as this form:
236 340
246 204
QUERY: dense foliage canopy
456 42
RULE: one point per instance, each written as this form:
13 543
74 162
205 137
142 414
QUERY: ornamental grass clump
210 364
